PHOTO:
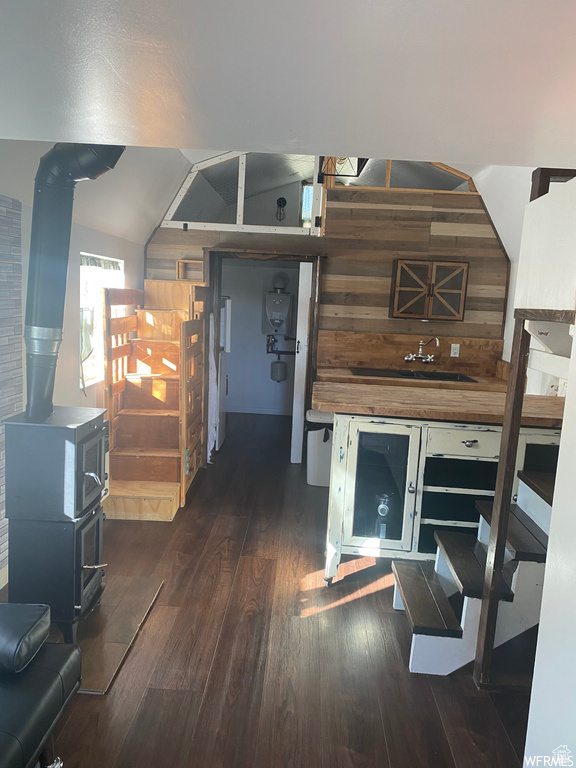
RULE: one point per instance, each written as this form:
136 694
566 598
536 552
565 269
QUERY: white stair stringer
442 655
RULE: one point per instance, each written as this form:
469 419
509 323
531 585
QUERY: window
435 290
306 209
96 273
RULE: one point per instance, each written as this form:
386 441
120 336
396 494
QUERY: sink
389 373
444 376
397 373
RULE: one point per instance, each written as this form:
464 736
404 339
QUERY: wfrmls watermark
561 756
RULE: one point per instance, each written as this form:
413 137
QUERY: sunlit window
96 273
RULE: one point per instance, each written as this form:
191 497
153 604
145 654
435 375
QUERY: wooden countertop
345 376
437 404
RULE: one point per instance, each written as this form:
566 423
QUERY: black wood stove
55 480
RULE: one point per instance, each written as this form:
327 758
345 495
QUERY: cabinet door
448 290
380 494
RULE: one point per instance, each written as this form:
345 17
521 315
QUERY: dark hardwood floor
248 661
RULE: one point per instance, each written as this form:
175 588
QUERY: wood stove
55 480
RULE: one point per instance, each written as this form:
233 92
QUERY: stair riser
147 432
154 468
154 357
153 394
443 655
122 508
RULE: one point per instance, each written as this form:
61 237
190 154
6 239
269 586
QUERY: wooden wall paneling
340 349
167 294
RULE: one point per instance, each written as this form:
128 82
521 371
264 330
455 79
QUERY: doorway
254 367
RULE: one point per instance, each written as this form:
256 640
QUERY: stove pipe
58 172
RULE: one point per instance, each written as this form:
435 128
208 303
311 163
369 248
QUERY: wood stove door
89 567
91 471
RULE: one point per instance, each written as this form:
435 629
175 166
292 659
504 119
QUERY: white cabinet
394 482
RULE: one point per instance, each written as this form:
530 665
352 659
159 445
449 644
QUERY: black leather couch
37 679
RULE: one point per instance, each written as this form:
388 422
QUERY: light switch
454 350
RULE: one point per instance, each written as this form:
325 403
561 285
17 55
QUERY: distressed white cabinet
394 482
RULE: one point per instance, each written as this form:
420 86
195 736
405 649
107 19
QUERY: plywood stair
442 600
155 397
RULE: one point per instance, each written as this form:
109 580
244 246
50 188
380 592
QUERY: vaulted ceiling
460 82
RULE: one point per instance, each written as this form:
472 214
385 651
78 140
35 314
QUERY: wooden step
151 430
466 558
142 500
427 607
541 483
152 391
525 540
154 356
133 464
160 324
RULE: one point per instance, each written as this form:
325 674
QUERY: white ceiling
486 82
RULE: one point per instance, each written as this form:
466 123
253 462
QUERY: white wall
553 701
250 388
547 280
261 209
127 202
67 388
506 191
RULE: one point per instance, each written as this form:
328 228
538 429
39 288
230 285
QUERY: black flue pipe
58 172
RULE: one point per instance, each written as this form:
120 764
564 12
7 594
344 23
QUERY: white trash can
319 426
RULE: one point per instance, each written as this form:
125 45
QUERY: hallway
248 661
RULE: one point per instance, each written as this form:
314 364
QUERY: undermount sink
393 373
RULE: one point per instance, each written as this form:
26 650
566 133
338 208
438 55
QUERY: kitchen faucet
425 358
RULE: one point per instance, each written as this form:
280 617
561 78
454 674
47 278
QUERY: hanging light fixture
280 205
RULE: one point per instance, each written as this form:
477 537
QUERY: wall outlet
454 350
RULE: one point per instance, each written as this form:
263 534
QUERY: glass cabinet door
381 488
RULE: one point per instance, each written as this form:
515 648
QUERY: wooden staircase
444 629
155 396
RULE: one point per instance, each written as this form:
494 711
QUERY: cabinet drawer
463 442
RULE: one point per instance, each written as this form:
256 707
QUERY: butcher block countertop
415 402
345 375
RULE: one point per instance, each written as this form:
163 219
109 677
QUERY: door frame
213 258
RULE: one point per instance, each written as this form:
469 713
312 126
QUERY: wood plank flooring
247 660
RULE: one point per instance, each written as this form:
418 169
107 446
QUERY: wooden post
502 501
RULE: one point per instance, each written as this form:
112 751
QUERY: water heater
277 313
277 309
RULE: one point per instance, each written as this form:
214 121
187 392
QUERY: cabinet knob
411 488
469 443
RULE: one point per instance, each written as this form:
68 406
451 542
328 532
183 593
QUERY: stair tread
157 341
137 376
427 607
541 483
525 539
156 413
161 452
466 558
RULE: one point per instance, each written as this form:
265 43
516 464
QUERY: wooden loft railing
118 332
